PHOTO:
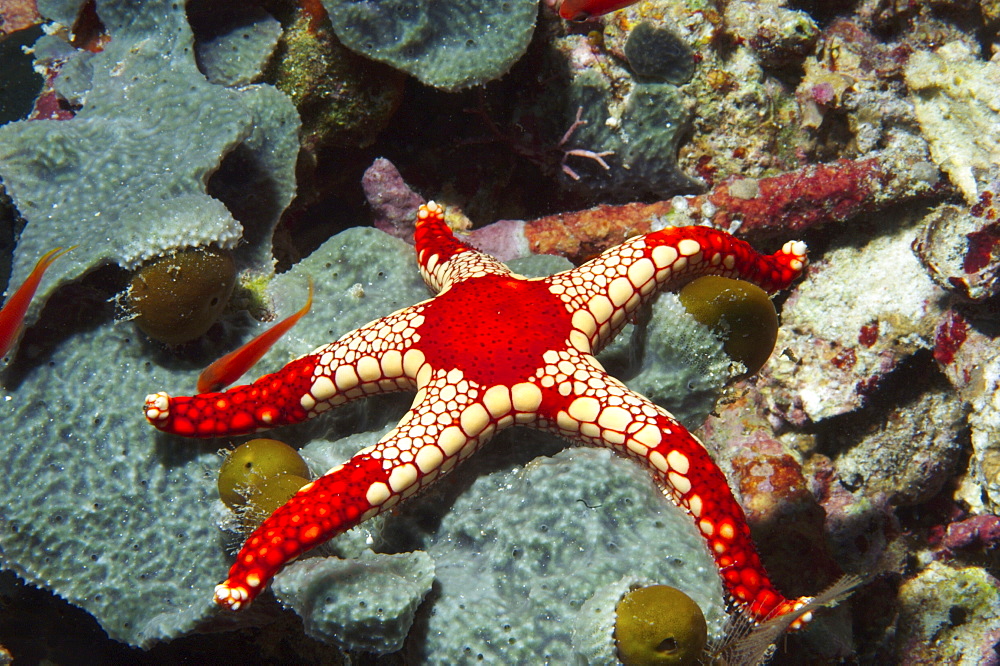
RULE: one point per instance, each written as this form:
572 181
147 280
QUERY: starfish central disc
481 328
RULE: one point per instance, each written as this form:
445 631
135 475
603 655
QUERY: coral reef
877 464
967 356
94 513
780 505
778 35
344 100
848 337
793 202
512 559
238 45
957 100
131 516
334 597
634 121
814 196
959 248
504 560
446 45
674 360
144 169
951 615
868 443
657 53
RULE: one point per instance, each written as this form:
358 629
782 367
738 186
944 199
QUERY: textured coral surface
868 444
125 179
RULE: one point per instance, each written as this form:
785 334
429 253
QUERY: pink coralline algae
822 93
49 105
967 355
798 200
984 244
394 205
960 247
868 335
950 336
17 15
977 532
792 202
982 247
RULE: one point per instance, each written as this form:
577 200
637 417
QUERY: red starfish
494 349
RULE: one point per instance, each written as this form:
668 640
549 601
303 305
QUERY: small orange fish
581 10
233 365
12 314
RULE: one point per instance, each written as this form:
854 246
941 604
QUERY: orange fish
12 314
233 365
581 10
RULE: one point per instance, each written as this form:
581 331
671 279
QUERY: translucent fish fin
744 642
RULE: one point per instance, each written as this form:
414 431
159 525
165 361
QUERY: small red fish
581 10
12 314
233 365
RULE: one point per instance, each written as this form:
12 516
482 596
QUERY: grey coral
448 45
127 178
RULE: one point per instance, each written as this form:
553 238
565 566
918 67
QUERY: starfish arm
445 260
601 411
376 358
320 510
603 292
442 428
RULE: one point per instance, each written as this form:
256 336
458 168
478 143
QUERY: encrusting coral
127 178
445 45
155 586
141 557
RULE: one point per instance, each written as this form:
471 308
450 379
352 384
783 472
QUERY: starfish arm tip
233 597
157 408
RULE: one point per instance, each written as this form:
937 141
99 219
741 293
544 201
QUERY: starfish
492 350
